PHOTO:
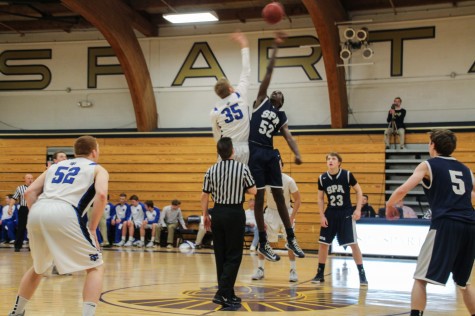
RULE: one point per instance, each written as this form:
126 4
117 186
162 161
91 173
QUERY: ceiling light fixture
195 17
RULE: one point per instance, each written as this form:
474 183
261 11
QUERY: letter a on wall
188 71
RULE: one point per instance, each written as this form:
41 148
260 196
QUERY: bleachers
165 168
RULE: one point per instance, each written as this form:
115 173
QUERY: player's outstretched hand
280 37
240 38
298 160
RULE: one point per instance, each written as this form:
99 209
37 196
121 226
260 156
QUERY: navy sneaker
294 246
318 278
268 252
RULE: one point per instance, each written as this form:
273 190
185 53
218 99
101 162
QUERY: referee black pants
21 226
228 223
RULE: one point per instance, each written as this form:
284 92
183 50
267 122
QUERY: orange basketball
392 213
273 12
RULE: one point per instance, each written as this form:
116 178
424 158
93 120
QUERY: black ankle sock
262 238
360 267
290 233
321 267
415 312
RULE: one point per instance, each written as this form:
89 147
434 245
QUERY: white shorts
241 152
274 224
149 226
137 224
56 235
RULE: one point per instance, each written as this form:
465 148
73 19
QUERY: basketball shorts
265 167
150 226
448 248
241 152
274 224
58 235
340 225
137 224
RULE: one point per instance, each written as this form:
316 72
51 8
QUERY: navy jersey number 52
65 174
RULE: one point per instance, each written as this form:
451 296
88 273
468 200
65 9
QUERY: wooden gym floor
169 282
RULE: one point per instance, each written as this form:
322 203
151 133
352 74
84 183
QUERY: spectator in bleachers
122 215
366 209
152 215
137 216
169 219
395 120
8 221
251 226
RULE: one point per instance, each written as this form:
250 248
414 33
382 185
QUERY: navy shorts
341 225
449 248
264 166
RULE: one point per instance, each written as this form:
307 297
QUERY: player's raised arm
262 94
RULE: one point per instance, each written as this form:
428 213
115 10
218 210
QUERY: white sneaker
120 243
170 246
259 275
128 243
139 243
150 244
136 243
293 276
12 241
252 248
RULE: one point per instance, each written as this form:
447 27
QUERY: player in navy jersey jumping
450 244
266 121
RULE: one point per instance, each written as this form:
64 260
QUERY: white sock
142 239
260 263
293 265
152 239
88 308
131 239
19 306
123 238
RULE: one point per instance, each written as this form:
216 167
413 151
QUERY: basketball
392 213
273 12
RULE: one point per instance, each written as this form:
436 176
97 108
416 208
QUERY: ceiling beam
115 25
324 14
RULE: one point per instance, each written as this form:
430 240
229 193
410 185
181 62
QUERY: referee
227 181
19 196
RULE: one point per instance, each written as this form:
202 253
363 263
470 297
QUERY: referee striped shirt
19 195
227 181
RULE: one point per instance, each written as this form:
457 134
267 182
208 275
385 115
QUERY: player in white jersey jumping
57 200
230 117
